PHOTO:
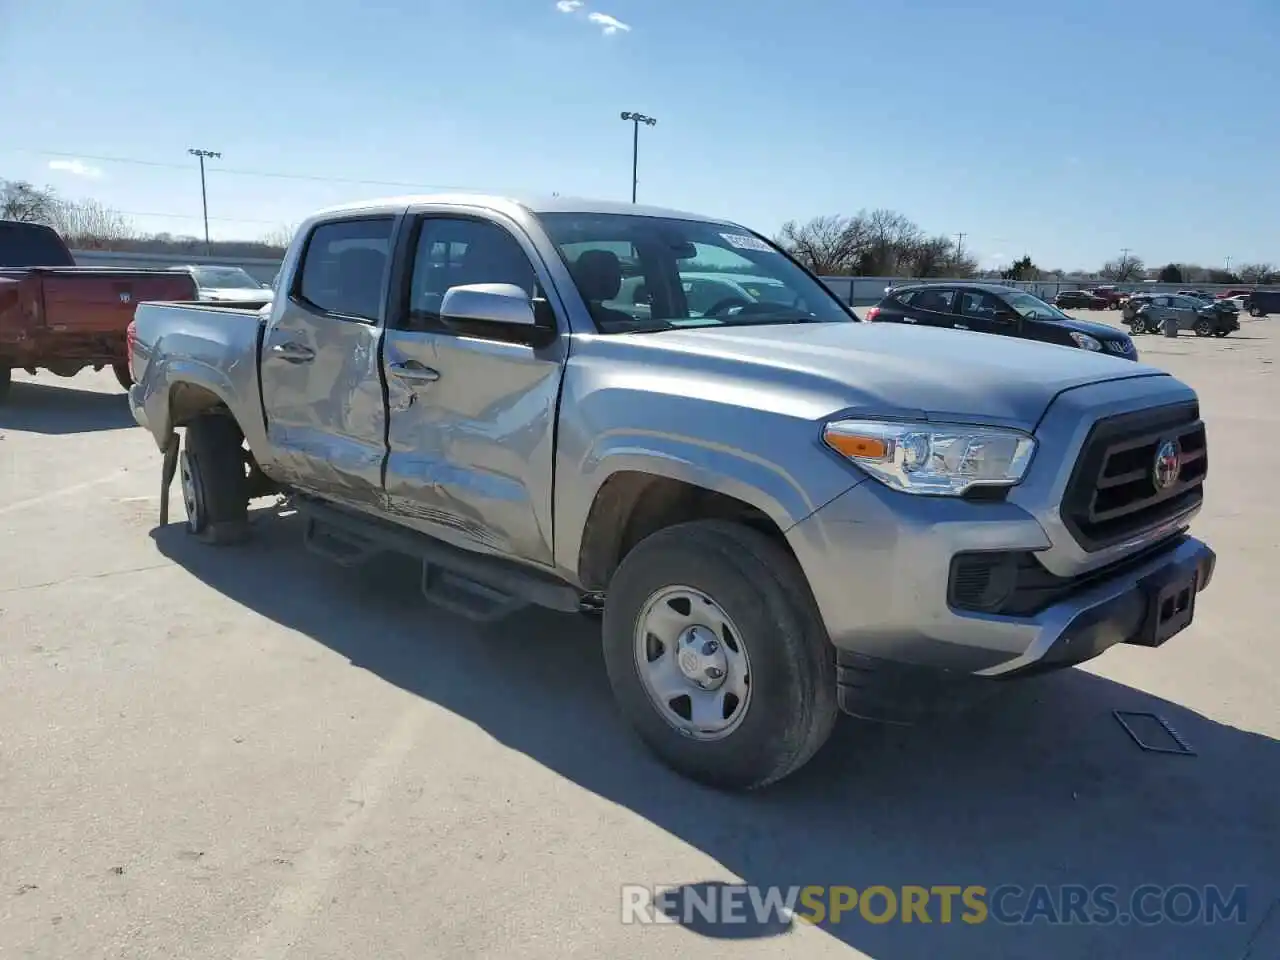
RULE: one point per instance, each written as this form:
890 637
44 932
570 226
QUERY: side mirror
498 303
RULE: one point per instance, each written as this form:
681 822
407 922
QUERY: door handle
293 352
414 372
961 326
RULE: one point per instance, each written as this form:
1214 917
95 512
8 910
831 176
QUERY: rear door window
934 300
344 268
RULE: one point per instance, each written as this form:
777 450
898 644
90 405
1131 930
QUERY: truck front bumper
880 565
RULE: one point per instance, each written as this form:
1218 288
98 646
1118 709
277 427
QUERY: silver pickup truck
781 512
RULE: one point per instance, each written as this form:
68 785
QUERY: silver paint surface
507 450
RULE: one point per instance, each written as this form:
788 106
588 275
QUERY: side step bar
470 584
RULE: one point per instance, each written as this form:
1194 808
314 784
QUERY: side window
937 300
344 266
451 253
982 305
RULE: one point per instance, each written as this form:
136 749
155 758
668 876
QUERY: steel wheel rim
190 493
693 663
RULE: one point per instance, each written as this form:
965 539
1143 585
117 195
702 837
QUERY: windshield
655 273
213 278
1033 308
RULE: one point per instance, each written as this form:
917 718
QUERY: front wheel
717 655
215 489
1256 312
123 376
1203 328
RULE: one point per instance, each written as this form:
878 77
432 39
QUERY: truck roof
512 205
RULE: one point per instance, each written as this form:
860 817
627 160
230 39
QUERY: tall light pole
636 119
204 196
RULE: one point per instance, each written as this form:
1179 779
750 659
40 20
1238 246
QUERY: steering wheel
725 305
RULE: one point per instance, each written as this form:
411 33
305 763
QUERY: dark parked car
1191 313
1079 300
1259 303
992 308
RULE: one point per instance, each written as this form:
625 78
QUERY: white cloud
568 6
610 25
76 167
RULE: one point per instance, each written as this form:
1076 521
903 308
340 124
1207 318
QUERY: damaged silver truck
782 512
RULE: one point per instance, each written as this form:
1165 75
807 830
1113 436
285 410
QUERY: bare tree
829 246
280 237
1126 268
88 225
20 200
890 238
1259 273
938 256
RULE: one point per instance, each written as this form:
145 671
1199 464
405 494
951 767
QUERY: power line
239 172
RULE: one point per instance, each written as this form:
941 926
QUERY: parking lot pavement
249 753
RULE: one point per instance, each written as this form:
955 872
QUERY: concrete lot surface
249 753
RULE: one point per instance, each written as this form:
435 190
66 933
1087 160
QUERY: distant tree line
88 225
876 243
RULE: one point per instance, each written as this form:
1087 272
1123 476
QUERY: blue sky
1064 130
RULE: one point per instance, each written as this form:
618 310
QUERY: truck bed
63 318
217 343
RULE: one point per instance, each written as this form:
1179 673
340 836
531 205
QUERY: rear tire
1256 312
214 484
6 383
123 376
725 590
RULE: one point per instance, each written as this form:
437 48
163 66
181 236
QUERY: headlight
1085 342
933 458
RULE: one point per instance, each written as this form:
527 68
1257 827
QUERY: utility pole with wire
960 246
636 119
204 196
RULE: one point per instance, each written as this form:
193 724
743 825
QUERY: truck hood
889 369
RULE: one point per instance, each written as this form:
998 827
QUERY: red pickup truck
62 318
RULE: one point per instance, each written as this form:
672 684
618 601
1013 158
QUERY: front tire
6 383
214 484
123 376
1256 312
717 655
1204 328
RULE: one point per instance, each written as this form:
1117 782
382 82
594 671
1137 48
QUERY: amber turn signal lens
866 448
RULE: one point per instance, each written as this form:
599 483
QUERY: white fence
260 269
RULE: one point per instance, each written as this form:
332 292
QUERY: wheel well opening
188 401
632 506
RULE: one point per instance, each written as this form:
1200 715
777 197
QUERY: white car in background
226 284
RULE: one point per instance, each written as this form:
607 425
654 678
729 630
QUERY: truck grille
1118 490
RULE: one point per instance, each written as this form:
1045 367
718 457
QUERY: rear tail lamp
131 342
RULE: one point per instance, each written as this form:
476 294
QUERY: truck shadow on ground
1037 786
47 409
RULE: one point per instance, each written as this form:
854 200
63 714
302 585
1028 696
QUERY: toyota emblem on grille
1168 465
